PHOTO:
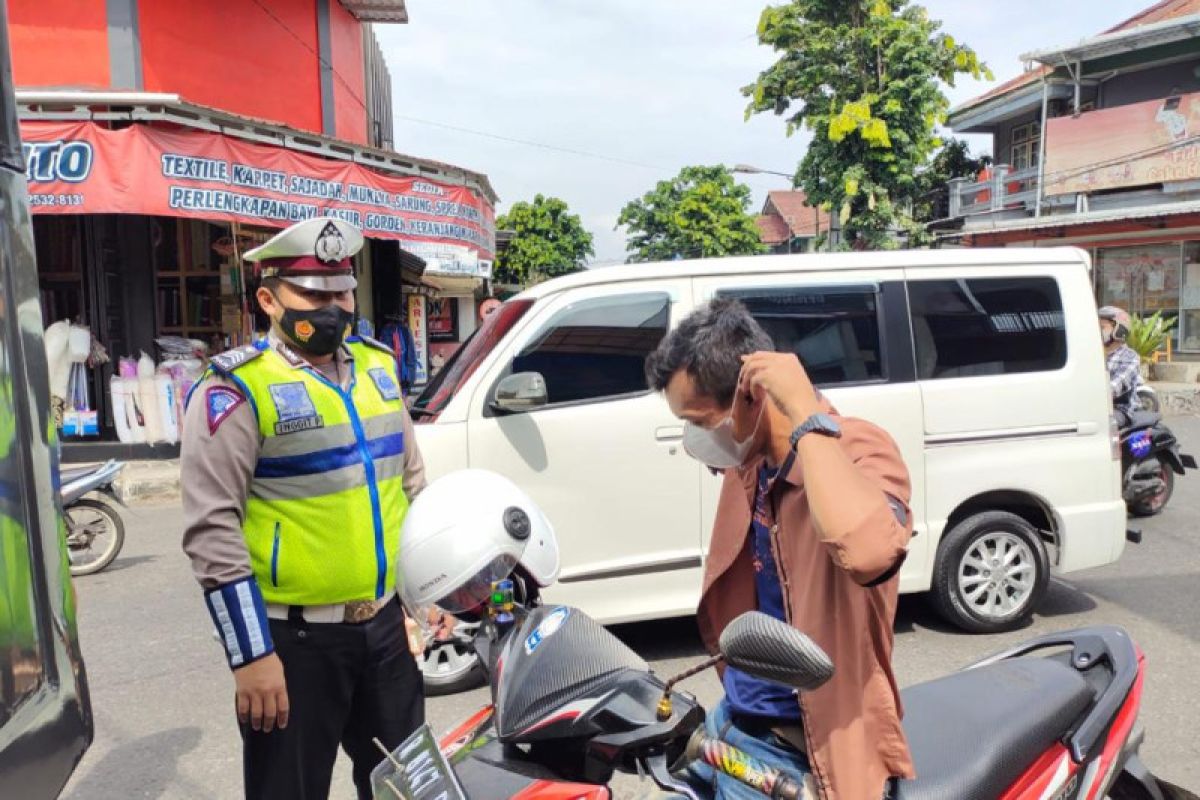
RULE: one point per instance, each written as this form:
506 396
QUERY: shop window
1026 146
833 330
987 326
1142 279
597 349
1189 301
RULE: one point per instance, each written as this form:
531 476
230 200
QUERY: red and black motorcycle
1055 718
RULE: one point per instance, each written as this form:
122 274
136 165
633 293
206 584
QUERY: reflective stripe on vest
326 501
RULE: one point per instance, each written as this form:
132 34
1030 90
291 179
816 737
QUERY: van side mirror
524 391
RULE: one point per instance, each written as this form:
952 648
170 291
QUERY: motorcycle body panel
1094 745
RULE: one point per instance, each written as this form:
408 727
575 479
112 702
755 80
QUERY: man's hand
262 698
416 637
780 377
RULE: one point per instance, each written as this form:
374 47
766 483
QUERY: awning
1119 42
77 167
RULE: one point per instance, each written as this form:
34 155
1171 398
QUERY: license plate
416 770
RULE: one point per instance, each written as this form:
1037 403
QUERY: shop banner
82 168
1144 143
420 334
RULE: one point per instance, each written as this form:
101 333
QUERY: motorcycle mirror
772 650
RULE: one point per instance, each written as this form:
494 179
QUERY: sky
607 98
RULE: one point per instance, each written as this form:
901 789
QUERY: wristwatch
817 423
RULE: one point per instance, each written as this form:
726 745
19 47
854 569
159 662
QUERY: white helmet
466 531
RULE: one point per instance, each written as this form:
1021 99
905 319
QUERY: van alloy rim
996 575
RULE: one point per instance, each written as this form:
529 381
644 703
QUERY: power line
530 143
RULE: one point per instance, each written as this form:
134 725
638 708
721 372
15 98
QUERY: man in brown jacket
812 528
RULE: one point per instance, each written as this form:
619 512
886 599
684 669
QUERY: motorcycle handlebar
742 766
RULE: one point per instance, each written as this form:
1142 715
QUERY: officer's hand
262 698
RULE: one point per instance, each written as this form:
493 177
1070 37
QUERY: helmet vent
517 523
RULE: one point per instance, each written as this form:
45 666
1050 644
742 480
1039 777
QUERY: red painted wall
236 56
59 43
349 89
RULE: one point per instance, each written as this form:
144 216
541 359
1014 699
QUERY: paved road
163 702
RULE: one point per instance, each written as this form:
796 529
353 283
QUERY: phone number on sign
36 200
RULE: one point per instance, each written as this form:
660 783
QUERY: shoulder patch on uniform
385 383
232 359
219 403
378 345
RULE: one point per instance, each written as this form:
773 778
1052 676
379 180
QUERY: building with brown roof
788 224
1097 145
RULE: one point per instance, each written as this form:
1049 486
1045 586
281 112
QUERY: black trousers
347 684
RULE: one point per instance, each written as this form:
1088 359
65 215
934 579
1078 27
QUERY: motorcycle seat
974 733
1143 419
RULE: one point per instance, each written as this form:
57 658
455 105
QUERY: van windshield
462 365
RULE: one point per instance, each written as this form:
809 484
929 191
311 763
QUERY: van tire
1022 571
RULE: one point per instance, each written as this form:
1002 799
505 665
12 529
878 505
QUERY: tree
700 213
864 76
953 160
548 241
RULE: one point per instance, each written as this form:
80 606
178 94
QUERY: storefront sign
452 260
82 168
1134 145
420 334
442 319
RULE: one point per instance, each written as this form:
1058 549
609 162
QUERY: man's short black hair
709 344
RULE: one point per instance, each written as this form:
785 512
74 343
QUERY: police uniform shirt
217 462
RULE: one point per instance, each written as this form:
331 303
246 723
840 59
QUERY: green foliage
548 241
700 213
1147 335
864 76
953 160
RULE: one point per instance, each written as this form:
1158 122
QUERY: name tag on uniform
385 383
295 408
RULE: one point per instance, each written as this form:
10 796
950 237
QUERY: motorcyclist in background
1123 362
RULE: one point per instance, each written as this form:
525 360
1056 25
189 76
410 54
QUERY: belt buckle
361 610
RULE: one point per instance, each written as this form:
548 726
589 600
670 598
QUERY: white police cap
313 254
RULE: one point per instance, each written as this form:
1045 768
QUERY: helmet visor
475 591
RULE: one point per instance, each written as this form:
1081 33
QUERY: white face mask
718 448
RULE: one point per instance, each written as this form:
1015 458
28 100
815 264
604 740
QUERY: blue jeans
769 749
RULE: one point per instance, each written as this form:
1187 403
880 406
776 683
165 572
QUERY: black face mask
319 331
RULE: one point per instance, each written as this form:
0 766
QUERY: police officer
298 464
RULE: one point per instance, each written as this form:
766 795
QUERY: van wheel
992 572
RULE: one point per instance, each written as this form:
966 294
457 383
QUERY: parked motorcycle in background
95 531
1150 460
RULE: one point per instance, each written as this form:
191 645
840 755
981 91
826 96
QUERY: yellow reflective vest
326 502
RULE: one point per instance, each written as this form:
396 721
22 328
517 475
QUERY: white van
985 365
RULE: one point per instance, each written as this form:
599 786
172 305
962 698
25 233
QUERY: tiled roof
797 214
771 229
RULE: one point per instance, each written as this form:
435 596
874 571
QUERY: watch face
824 422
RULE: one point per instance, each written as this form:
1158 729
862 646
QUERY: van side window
987 326
833 329
597 349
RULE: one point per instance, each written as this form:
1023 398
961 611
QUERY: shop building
179 135
1098 146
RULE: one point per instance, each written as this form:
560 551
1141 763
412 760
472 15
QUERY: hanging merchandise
80 344
148 399
167 411
128 387
119 398
58 357
79 419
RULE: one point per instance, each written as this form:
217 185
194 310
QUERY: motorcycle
1147 398
1150 460
1055 717
95 531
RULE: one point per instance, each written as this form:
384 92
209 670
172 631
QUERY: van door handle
669 433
